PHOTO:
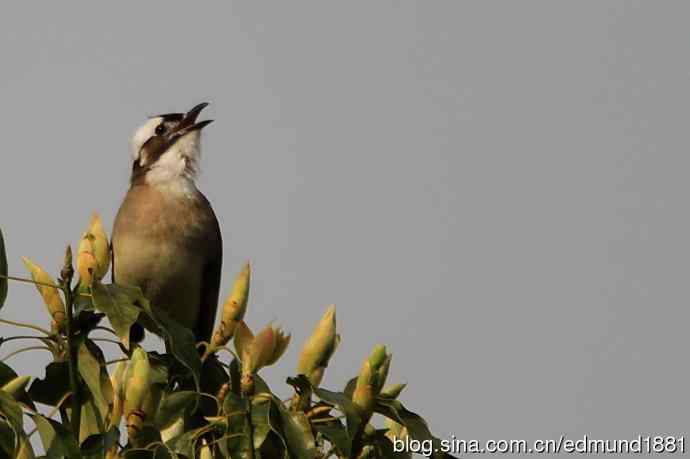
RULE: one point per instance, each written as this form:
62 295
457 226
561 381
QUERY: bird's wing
210 284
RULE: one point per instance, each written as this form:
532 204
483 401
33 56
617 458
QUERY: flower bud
243 337
87 266
205 452
319 348
137 386
117 380
233 309
101 247
51 297
370 380
260 351
393 390
16 385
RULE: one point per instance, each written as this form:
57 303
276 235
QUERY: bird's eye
160 129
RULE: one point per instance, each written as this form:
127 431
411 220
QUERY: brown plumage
166 238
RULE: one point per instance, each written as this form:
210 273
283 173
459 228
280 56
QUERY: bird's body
166 238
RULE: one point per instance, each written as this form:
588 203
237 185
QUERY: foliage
192 401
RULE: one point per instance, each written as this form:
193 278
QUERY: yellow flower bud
262 350
101 247
87 266
16 385
393 390
205 452
117 380
319 348
233 309
370 380
137 386
51 297
243 337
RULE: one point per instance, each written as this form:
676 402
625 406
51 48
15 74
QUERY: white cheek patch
140 137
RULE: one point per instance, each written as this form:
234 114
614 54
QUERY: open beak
189 124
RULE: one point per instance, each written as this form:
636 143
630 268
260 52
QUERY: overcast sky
497 191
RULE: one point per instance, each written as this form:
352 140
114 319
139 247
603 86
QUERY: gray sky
497 191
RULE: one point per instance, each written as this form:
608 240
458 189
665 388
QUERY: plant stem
25 349
12 338
251 428
72 364
21 324
28 281
105 340
66 283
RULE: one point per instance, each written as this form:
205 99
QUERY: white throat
176 170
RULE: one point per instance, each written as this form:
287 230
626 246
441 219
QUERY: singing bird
166 238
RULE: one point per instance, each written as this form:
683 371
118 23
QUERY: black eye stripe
160 129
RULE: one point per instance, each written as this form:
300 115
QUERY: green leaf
97 445
138 453
10 408
174 406
90 419
298 435
54 387
383 446
7 439
3 271
345 405
416 426
235 408
146 436
90 370
265 420
179 340
339 399
350 387
7 374
119 305
336 433
185 443
57 441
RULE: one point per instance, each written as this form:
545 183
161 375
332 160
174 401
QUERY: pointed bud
137 385
15 386
319 348
262 350
370 380
117 380
51 297
87 266
243 337
393 390
205 452
233 309
101 247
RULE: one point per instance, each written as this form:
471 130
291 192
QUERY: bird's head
167 148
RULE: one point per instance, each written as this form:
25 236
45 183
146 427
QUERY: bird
166 238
